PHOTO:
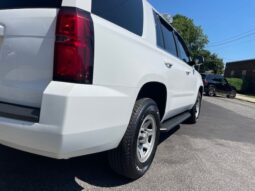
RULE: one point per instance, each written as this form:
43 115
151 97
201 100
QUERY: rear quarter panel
125 59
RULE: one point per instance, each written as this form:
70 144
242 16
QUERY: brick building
242 69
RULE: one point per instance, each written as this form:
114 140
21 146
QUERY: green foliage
193 35
196 41
236 82
244 85
212 62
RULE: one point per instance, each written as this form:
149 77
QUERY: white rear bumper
75 120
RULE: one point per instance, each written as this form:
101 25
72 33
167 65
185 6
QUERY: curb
245 100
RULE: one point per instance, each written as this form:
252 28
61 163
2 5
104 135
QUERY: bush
237 83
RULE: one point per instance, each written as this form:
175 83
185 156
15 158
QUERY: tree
196 41
212 63
193 35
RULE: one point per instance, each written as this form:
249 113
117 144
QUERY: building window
232 73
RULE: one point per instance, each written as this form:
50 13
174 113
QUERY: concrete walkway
245 98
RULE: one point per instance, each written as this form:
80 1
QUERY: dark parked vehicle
217 85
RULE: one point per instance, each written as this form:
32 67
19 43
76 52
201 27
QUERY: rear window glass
127 14
17 4
168 38
160 39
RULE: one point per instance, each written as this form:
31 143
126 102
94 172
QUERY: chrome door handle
2 30
168 65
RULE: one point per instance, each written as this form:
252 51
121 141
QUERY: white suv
85 76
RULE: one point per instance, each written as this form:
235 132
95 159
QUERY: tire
126 160
211 91
232 94
195 111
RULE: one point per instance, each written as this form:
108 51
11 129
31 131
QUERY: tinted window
15 4
182 49
168 38
125 13
210 77
160 40
218 79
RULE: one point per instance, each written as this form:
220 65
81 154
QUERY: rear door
218 83
191 79
224 87
27 36
179 94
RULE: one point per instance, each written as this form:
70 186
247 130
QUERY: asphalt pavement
218 153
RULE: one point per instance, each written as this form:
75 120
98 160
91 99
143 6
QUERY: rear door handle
168 65
188 73
2 30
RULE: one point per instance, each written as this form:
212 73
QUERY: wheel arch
156 91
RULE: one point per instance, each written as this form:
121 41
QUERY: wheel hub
146 138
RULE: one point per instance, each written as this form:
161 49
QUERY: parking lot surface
216 154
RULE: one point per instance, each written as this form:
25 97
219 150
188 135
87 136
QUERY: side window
182 49
160 39
218 79
126 14
168 35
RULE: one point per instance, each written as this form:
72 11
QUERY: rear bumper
75 120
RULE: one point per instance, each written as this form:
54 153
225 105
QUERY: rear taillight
205 82
74 47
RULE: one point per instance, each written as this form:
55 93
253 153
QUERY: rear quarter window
17 4
169 40
159 34
127 14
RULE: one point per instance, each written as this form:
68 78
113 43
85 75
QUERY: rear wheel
211 91
232 94
137 149
195 112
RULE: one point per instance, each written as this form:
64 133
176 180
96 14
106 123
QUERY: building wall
240 69
244 70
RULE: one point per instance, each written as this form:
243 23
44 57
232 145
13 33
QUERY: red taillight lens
74 47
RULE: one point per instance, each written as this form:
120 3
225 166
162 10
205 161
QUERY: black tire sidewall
150 108
193 119
212 89
232 95
200 104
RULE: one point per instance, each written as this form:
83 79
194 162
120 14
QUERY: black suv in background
217 85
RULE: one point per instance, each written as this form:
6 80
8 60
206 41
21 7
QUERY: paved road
216 154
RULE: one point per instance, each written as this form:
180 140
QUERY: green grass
236 82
